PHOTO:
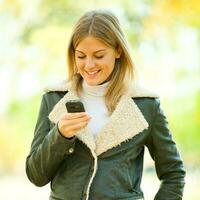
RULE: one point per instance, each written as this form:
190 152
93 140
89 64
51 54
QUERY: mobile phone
74 106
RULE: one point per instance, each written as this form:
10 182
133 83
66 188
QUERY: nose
89 63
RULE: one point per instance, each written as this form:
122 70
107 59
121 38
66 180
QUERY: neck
95 90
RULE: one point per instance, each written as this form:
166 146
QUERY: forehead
91 44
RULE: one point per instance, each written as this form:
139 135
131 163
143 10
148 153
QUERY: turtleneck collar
95 90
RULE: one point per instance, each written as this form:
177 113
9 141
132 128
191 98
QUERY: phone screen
74 106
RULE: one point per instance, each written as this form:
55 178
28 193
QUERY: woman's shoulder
55 90
137 90
144 97
57 86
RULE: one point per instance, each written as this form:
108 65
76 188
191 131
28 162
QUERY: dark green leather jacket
109 168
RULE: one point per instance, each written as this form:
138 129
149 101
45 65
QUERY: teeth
92 73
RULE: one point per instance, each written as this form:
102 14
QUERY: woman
98 154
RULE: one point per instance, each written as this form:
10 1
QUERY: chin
93 83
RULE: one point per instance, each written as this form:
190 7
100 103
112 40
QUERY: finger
76 127
72 122
74 115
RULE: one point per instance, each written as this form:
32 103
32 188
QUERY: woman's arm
48 149
169 166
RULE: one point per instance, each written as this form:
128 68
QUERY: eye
81 57
99 57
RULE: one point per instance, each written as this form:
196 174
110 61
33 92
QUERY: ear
118 52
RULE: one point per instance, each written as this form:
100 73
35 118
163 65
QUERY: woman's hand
70 123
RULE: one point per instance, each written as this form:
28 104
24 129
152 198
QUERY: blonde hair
103 25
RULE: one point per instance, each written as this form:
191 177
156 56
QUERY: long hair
103 25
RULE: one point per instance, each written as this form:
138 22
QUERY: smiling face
95 60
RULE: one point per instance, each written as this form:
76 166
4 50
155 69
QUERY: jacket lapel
125 122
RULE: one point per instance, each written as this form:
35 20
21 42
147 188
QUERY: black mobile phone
74 106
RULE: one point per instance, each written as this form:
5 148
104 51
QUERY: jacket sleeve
48 149
169 166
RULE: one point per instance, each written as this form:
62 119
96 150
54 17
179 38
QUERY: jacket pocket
123 184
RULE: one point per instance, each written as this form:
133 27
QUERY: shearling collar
135 90
125 122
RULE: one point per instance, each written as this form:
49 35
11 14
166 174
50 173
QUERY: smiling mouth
93 73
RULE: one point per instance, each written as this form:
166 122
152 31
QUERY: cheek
107 61
109 65
79 64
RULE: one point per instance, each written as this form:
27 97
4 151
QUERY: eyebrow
94 52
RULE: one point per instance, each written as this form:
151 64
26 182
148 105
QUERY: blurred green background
164 37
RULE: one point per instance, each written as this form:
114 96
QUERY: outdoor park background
165 40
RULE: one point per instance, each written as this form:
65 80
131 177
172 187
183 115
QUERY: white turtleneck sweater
94 103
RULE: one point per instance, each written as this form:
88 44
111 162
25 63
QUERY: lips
93 73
